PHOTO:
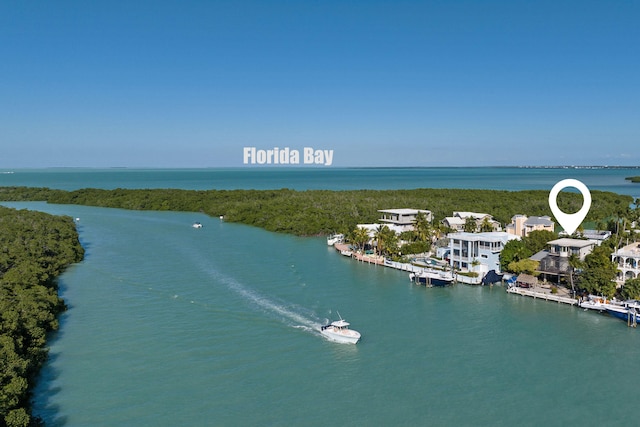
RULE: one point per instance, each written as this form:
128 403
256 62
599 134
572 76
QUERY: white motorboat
432 278
339 331
601 304
335 238
197 225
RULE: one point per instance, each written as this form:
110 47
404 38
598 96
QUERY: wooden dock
542 295
377 260
371 259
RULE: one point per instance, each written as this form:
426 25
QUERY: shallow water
170 325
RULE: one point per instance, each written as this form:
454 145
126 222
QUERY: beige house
522 225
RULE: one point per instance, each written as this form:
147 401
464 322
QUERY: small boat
594 302
339 331
630 312
335 238
346 253
197 225
432 278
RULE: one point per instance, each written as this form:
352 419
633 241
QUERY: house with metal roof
522 225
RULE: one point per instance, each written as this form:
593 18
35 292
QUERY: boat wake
293 315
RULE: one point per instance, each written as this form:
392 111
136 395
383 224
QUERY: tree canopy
34 249
516 252
599 272
317 212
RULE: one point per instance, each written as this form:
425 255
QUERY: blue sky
382 83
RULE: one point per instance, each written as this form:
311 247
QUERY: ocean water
605 179
170 325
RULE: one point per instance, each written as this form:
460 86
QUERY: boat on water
339 331
335 238
432 278
629 312
197 225
598 303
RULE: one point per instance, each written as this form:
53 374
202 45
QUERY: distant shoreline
321 212
293 167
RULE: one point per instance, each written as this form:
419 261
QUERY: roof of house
451 220
474 215
629 250
572 243
403 211
539 256
539 220
488 236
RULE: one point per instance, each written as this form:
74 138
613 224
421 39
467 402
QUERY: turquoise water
324 178
170 325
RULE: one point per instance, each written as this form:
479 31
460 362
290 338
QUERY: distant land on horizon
262 167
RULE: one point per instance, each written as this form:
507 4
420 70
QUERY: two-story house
403 219
398 220
477 252
628 261
522 225
554 262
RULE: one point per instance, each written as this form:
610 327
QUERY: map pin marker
570 222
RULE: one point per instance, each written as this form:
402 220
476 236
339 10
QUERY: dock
344 249
542 295
371 259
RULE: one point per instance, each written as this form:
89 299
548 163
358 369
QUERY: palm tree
486 225
361 237
470 224
623 213
386 239
575 263
422 227
635 219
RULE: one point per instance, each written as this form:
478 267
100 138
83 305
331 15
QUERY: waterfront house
403 219
477 252
522 225
627 260
373 228
554 262
597 236
459 219
398 220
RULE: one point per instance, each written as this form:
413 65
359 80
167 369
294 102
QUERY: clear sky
382 83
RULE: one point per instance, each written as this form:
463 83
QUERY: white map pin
570 222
